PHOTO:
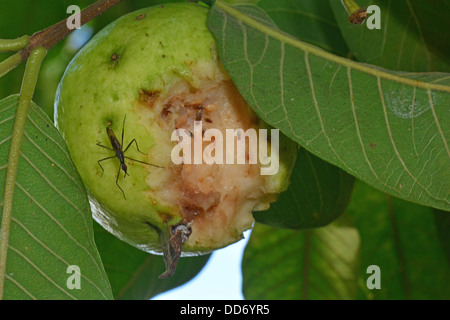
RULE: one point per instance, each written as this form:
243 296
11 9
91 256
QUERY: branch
52 35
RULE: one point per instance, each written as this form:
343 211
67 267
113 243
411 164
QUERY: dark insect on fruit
120 153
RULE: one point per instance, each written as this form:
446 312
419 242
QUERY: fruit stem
357 15
350 5
26 94
14 44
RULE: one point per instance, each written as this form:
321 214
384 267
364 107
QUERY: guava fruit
139 79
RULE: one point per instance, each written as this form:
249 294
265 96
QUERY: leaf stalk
34 49
10 63
26 94
11 45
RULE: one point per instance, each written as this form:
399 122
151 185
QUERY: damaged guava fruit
120 100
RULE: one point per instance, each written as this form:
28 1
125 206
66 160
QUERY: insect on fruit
184 209
120 153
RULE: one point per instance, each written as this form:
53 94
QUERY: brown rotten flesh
209 196
159 69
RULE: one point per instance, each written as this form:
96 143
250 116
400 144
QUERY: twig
52 35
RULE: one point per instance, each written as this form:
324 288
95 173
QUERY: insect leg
100 145
104 160
137 147
123 126
117 183
154 165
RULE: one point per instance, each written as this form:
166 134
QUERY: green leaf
134 273
319 193
51 224
289 264
411 37
386 128
402 239
309 21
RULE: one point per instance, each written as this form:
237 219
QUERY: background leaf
383 127
312 199
309 21
51 226
442 222
411 37
397 236
318 194
402 239
134 273
289 264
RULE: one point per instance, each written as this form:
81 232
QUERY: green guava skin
146 49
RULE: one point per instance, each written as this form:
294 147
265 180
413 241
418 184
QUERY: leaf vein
358 133
69 235
42 273
436 121
316 105
76 183
57 256
44 177
394 146
46 135
21 287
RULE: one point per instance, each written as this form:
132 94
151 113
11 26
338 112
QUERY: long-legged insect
120 153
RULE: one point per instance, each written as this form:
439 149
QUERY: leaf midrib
279 35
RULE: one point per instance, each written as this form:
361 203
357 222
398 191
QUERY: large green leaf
318 194
311 21
386 128
399 237
322 263
402 239
411 36
319 191
134 273
51 224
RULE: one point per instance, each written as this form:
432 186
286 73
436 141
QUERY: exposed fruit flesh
209 196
